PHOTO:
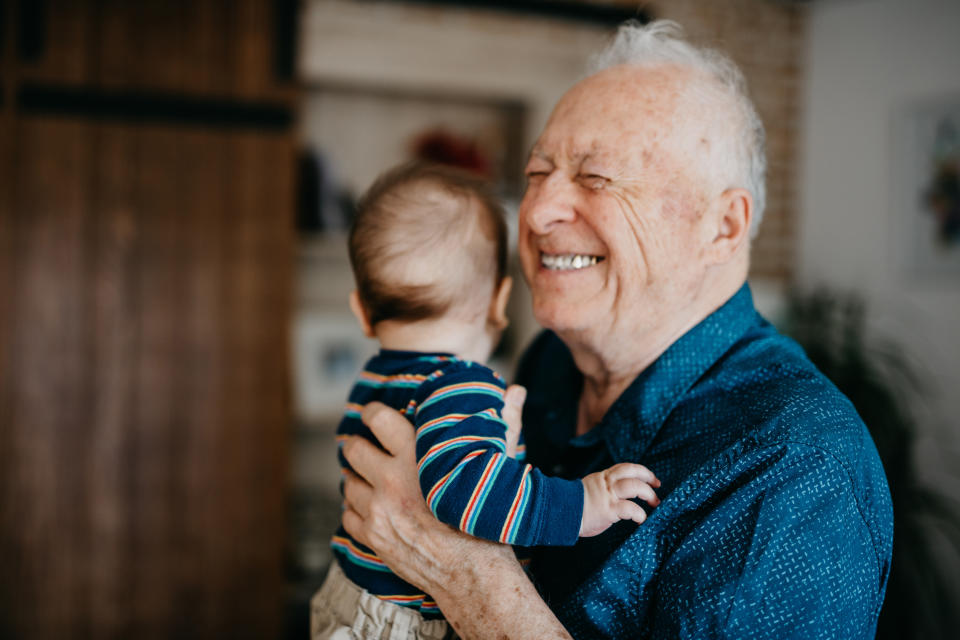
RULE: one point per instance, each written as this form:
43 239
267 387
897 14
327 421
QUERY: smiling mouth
568 261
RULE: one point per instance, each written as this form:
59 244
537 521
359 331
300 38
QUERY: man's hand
384 507
478 584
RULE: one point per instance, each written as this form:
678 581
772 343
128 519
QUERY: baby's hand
607 493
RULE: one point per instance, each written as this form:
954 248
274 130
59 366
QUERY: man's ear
497 316
360 313
732 212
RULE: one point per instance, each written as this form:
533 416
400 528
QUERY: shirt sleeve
466 477
783 551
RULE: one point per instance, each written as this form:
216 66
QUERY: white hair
661 43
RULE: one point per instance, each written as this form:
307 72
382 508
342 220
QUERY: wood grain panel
201 165
45 444
114 332
67 28
250 37
8 538
253 334
145 284
116 54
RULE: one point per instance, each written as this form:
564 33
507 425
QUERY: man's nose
549 203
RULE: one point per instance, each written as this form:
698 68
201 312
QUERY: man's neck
611 362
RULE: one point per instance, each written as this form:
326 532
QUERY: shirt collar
635 418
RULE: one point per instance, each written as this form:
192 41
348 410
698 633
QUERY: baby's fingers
627 510
631 470
635 488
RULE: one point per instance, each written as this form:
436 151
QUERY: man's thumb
513 401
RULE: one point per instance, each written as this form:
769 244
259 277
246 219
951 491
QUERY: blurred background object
176 183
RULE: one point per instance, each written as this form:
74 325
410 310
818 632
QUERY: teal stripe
472 521
453 476
439 425
363 562
444 395
393 384
437 359
448 447
499 445
410 604
480 414
521 510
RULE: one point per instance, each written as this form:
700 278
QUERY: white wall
869 63
491 55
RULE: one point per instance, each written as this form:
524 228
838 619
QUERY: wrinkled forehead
618 109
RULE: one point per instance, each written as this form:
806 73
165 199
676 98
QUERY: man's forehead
574 152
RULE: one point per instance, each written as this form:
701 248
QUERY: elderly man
775 521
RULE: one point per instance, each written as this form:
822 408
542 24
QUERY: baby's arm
466 476
607 493
470 483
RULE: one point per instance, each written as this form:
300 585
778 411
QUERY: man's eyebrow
580 158
537 152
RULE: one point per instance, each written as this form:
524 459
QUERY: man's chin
559 320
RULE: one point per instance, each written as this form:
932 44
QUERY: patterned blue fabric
775 519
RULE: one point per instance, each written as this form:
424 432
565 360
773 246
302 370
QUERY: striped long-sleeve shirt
466 477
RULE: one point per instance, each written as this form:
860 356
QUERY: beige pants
341 610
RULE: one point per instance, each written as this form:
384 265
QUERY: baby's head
429 249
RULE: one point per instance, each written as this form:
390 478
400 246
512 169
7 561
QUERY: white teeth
568 262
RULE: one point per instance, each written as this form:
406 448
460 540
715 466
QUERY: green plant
921 599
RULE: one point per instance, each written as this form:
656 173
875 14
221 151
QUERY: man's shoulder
783 403
779 392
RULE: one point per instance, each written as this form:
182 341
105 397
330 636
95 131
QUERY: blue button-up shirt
775 518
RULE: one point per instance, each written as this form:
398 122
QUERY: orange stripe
477 491
363 554
442 481
449 416
514 508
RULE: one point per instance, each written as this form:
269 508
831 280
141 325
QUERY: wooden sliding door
146 247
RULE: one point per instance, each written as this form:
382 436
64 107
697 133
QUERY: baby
429 250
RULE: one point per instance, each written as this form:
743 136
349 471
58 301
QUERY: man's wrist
467 567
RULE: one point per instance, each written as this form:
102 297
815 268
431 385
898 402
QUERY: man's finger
513 401
357 494
365 458
389 427
354 525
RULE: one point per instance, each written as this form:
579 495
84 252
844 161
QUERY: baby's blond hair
427 240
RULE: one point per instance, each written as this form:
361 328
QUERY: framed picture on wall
329 351
928 186
352 133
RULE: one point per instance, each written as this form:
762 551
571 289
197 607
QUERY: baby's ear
497 315
360 313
